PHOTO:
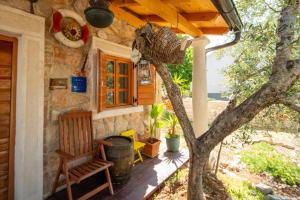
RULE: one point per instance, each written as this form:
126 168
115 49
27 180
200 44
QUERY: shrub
262 157
241 190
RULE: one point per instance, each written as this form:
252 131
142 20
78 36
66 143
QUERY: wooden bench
75 142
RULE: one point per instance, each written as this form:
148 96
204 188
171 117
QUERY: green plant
171 122
262 157
154 121
240 190
181 82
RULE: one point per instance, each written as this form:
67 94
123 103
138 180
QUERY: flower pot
173 143
151 148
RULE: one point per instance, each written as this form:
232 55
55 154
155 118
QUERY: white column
199 86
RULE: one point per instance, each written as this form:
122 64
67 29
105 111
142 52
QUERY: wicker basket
165 47
160 44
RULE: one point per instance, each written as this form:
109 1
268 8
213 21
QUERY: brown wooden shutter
101 82
146 93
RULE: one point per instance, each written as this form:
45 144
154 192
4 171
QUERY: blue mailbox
79 84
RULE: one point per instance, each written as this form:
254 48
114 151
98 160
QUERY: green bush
241 190
262 157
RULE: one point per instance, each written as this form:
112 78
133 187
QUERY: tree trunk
285 73
196 173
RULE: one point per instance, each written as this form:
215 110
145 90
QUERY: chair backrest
76 133
129 133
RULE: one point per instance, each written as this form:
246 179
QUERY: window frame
102 84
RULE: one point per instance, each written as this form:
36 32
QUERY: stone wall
62 62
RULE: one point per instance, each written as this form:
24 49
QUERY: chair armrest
64 155
103 142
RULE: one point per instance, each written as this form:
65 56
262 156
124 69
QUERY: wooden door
8 55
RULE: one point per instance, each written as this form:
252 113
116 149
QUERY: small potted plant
151 148
172 137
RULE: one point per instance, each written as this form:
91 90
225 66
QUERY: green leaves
171 122
183 71
262 157
255 54
155 115
156 110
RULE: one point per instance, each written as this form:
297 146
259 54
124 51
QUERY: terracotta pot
151 148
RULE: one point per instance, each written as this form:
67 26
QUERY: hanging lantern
144 72
98 15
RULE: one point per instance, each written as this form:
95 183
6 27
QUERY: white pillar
199 86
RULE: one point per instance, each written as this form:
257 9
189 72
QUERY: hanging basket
161 45
166 47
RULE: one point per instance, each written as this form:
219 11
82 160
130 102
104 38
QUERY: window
116 79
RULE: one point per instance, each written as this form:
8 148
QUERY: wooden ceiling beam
124 3
193 17
215 30
128 17
176 1
127 3
207 30
170 14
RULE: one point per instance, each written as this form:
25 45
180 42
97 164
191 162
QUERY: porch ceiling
193 17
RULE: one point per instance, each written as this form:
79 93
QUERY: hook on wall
31 5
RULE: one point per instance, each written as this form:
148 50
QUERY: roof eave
229 13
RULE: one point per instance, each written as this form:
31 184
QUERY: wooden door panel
5 84
4 132
8 59
3 157
3 170
4 120
4 147
5 72
5 96
3 194
4 108
6 53
3 182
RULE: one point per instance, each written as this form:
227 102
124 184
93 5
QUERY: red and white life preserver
57 17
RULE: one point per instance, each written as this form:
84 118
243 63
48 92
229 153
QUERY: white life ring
57 17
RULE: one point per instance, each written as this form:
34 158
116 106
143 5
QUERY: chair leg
57 177
140 156
111 190
69 189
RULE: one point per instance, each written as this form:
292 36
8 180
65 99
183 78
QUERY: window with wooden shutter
115 82
146 93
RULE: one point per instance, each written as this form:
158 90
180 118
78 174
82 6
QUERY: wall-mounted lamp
144 72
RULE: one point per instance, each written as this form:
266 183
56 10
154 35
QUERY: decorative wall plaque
58 83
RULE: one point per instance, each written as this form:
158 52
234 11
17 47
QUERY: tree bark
196 172
284 74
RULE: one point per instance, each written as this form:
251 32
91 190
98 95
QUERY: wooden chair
137 146
75 142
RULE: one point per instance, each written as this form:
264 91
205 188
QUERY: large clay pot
151 148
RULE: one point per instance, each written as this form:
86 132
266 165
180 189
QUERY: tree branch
285 32
269 6
291 104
